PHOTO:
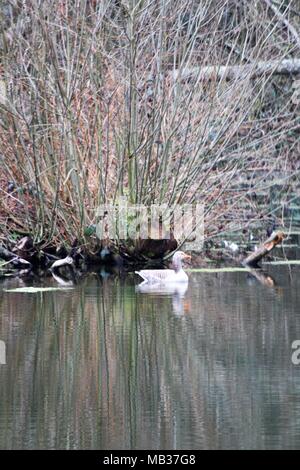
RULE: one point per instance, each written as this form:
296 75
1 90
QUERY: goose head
177 259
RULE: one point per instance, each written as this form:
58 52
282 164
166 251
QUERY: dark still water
105 367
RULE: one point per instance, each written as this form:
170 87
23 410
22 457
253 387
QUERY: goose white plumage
162 276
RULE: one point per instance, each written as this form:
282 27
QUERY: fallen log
232 72
263 249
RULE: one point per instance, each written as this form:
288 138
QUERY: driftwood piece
265 248
24 245
14 259
232 72
68 261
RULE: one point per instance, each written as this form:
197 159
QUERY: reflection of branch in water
176 290
261 276
62 280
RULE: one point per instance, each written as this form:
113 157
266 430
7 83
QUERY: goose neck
177 265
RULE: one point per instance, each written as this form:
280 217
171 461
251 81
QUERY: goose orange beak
187 256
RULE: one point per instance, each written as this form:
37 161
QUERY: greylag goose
162 276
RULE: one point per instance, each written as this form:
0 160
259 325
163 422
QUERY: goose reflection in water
175 291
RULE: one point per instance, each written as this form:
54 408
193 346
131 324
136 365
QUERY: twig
286 23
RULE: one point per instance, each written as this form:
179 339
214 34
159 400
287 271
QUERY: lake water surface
104 366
